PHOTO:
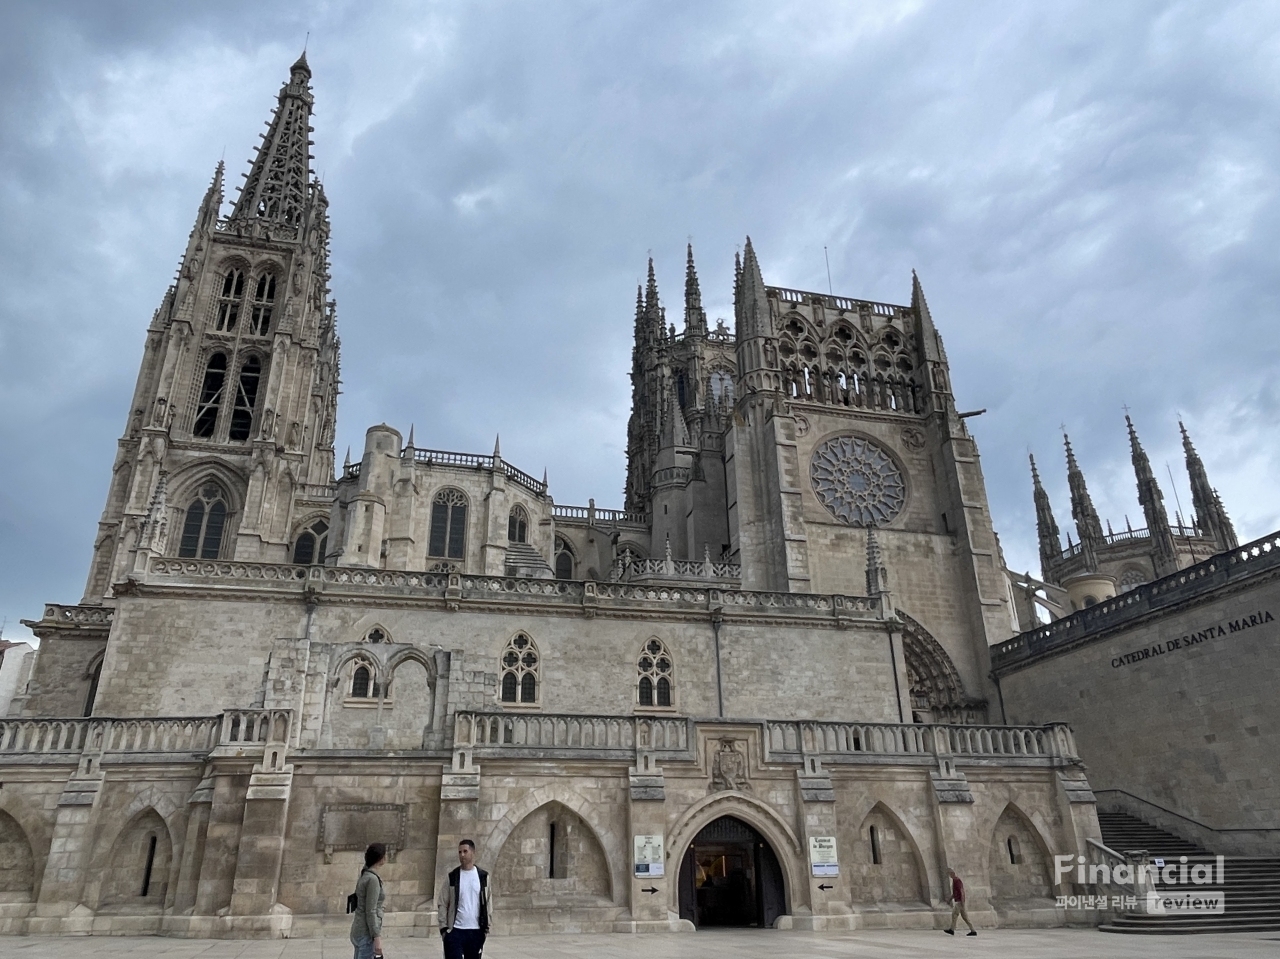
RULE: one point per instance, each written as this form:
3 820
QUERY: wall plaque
353 826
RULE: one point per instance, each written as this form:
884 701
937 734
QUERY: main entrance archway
730 877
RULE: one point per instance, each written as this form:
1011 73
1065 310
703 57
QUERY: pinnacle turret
1088 526
276 187
1211 516
1163 554
695 318
1046 524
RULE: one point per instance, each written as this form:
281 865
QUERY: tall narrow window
564 560
246 397
264 298
151 861
312 543
1015 852
448 525
520 671
215 378
657 675
874 833
518 525
94 678
229 301
203 527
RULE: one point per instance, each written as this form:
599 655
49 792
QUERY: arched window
448 525
1132 578
246 397
204 524
518 525
657 675
312 543
564 560
520 671
361 682
264 298
229 301
720 387
95 675
215 378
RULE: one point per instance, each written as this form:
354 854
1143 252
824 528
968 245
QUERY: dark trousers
463 944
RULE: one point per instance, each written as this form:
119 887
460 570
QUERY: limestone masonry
677 714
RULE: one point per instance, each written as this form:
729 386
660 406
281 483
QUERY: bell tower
228 446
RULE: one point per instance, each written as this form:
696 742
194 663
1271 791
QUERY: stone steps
1121 832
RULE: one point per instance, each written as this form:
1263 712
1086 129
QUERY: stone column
60 909
828 896
184 895
262 836
459 817
650 896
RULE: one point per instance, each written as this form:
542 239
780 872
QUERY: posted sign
648 857
822 856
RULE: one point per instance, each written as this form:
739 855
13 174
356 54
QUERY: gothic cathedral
760 694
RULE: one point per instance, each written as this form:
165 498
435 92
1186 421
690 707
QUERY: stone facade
1170 690
783 638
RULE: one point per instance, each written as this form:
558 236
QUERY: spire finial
347 462
497 446
277 187
409 445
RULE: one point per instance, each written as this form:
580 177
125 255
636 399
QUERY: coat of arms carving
729 768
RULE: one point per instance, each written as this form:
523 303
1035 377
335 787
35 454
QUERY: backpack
353 900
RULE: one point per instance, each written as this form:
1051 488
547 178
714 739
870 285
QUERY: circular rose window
857 481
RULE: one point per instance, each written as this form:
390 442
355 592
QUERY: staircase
1251 889
1123 832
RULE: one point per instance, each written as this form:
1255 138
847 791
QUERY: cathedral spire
1211 516
1046 525
1163 555
278 179
695 318
752 305
1087 523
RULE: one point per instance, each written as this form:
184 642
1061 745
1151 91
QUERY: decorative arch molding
615 852
37 829
929 874
363 655
757 814
1035 822
412 654
936 686
164 805
184 483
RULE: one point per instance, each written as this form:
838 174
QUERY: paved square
727 944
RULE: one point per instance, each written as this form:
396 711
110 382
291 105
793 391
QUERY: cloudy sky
1088 191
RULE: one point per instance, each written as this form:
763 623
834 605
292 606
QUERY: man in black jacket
465 906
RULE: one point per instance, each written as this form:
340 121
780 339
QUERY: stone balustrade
844 742
25 738
499 734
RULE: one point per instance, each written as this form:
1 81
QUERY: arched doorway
730 877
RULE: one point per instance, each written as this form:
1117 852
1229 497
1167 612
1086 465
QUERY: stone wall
1174 709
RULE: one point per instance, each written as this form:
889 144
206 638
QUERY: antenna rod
830 291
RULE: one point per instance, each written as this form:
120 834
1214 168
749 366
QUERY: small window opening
551 852
151 861
360 683
876 857
93 689
311 544
229 301
1015 852
564 560
518 526
264 297
246 397
215 376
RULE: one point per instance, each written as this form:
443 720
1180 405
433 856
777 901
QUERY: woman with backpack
366 925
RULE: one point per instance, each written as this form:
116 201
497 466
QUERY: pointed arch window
312 543
246 397
518 525
361 682
229 301
203 527
448 525
211 392
95 676
656 686
564 559
520 671
264 299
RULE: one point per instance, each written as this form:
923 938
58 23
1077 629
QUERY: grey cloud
1087 190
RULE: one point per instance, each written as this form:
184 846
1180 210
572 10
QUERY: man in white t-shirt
465 906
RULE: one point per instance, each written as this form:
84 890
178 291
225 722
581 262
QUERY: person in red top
957 905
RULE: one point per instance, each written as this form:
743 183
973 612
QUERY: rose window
857 481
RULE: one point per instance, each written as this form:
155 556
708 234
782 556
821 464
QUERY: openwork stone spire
1211 516
1046 525
1163 555
276 187
1087 523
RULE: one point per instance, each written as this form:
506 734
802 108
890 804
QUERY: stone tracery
857 481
